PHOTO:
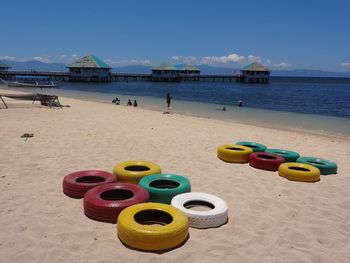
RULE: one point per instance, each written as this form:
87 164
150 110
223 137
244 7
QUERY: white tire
215 217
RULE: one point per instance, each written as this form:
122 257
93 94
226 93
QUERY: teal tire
326 167
163 187
289 156
256 147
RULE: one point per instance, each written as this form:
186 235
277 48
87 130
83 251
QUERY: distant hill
41 66
309 73
35 65
133 69
227 71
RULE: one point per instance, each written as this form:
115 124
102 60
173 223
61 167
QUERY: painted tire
163 187
299 172
326 167
217 216
265 161
76 184
256 147
105 202
233 153
135 227
289 156
133 171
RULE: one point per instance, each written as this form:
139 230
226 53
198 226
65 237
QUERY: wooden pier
122 77
54 75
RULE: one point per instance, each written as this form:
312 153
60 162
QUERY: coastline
270 218
305 123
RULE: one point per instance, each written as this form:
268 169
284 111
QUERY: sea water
318 104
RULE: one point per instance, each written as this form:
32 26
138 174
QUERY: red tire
76 184
105 202
265 161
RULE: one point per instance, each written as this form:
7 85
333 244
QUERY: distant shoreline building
190 70
165 73
4 67
89 69
169 73
254 73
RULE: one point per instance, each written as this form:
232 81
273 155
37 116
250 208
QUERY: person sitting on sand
116 101
129 103
135 103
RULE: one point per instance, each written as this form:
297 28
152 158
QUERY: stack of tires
289 164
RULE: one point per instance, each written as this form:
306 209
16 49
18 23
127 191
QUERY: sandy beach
271 219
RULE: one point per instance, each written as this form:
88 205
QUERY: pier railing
64 76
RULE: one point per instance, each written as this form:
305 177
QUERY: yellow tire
133 171
152 227
233 153
299 172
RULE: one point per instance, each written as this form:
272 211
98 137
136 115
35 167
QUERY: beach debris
27 135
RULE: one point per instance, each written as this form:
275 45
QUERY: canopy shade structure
47 100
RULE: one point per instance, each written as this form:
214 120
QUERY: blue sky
281 34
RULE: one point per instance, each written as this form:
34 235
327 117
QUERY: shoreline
249 122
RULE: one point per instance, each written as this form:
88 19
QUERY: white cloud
62 56
252 58
41 59
8 58
282 65
235 58
190 60
231 58
130 62
176 58
345 64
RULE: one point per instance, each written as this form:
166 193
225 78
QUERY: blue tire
163 187
326 167
289 156
256 147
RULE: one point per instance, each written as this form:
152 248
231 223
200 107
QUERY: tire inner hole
199 205
313 162
116 194
251 146
90 179
299 169
264 156
153 217
164 184
235 149
137 168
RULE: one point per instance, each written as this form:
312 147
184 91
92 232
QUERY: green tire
326 167
289 156
256 147
163 187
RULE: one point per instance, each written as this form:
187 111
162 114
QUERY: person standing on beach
168 99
